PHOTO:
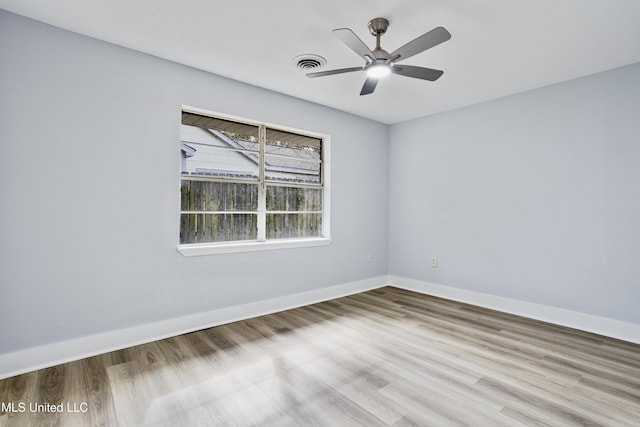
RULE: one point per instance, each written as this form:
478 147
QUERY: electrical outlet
369 257
434 262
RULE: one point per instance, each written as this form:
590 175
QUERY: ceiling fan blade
369 86
422 43
354 43
417 72
332 72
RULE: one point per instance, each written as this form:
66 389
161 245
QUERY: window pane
293 199
288 226
218 196
286 169
220 162
206 228
229 159
213 123
219 147
292 157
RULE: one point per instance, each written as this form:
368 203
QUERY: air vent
309 62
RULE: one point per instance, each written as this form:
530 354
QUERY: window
250 186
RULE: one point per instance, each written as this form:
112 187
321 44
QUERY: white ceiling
498 47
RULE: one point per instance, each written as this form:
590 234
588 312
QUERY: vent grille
309 62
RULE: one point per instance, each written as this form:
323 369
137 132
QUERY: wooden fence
222 211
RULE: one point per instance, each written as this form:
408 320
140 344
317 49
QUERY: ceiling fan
380 63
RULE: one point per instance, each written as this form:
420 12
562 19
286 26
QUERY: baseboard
586 322
31 359
62 352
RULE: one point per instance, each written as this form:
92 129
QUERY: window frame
261 244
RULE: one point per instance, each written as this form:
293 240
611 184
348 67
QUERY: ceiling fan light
378 71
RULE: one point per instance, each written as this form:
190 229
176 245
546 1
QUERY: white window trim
199 249
250 246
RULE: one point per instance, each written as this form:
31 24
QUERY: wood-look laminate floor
384 357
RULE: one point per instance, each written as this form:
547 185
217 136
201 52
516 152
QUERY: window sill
229 248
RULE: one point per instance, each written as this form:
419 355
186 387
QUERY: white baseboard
586 322
66 351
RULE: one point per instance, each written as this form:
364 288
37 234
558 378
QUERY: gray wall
534 197
88 231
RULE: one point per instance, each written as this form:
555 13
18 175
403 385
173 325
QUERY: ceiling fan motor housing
378 26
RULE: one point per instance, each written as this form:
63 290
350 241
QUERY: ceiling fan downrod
377 27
